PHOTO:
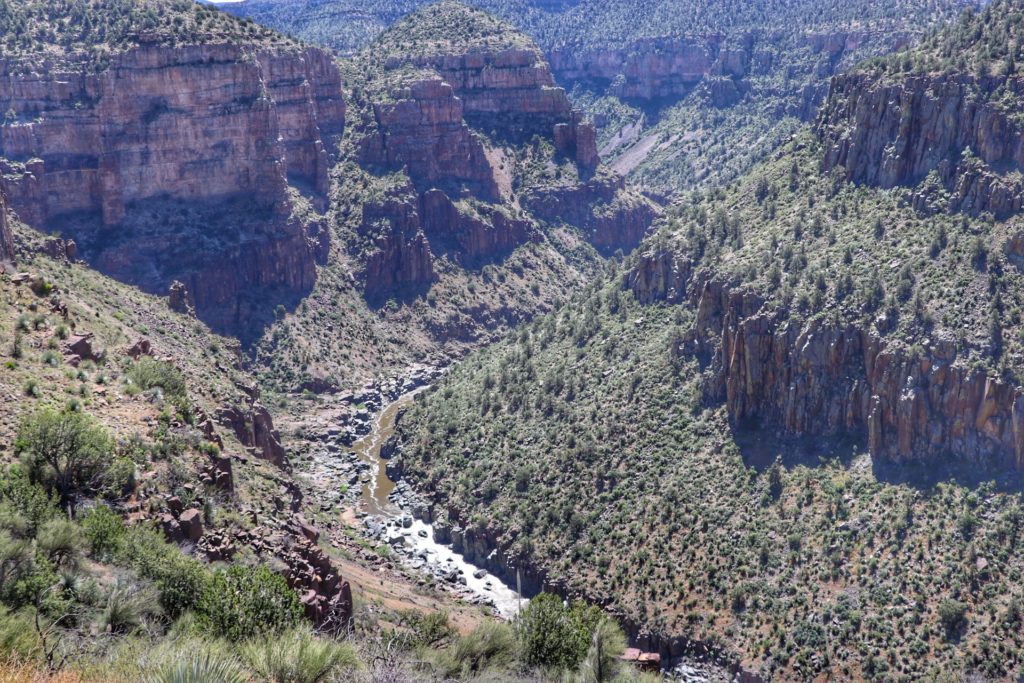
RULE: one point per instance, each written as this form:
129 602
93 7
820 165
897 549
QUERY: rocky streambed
351 466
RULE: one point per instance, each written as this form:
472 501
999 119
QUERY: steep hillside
769 431
684 95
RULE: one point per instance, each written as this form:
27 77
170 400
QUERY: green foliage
181 580
602 661
299 657
491 645
149 373
205 666
240 603
92 29
552 635
66 451
104 532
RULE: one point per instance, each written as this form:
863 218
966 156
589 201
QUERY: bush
606 646
298 657
150 373
181 580
200 667
66 451
246 602
60 541
554 636
104 531
953 615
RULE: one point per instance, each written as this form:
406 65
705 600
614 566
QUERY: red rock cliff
196 122
6 241
160 131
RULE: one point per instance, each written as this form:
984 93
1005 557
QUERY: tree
65 450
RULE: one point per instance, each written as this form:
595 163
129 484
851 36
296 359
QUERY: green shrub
149 373
490 645
60 541
247 602
200 667
552 635
181 580
104 531
602 661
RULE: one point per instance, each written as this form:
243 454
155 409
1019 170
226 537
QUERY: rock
175 505
833 379
81 345
180 300
142 347
6 239
888 133
205 124
255 428
191 524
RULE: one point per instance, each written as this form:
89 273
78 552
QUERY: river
416 543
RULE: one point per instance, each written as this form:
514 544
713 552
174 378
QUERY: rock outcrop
510 91
472 232
6 240
650 69
254 428
423 130
397 254
943 132
813 378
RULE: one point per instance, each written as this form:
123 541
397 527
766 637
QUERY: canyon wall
812 378
511 92
194 122
108 156
892 133
423 130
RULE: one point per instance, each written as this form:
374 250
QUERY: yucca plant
299 657
127 608
201 667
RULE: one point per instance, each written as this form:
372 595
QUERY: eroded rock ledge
942 131
816 378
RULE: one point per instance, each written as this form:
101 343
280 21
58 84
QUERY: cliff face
399 256
610 216
424 131
898 133
650 69
510 91
204 124
810 378
196 122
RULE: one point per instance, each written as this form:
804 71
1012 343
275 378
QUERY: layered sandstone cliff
423 130
194 122
810 377
943 129
204 124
